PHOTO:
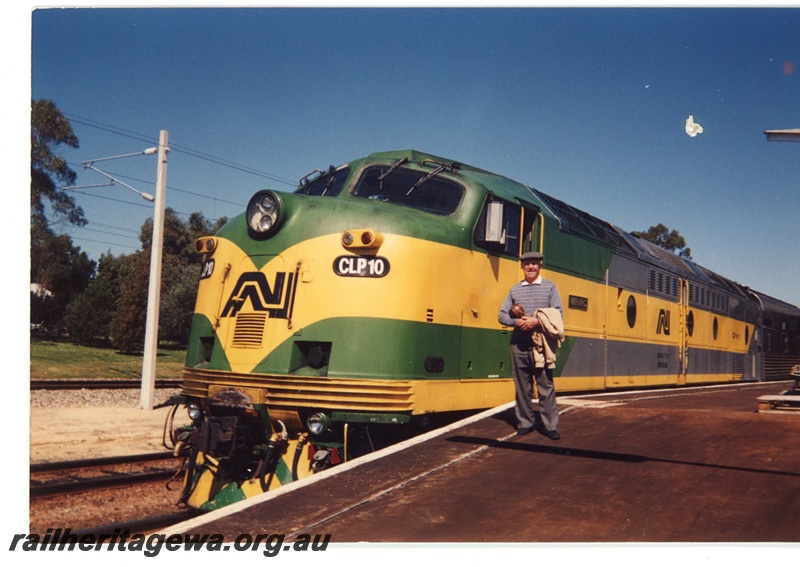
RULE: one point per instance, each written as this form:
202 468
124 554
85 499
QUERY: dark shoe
553 434
524 430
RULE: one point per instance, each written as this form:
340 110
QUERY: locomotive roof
777 306
572 219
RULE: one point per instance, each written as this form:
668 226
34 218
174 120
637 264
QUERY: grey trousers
524 373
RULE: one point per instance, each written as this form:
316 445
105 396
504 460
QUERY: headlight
264 214
318 423
195 412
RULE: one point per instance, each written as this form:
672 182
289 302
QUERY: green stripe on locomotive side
361 349
394 350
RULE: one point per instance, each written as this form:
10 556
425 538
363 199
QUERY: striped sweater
538 295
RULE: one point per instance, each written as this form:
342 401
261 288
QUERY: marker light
362 238
205 245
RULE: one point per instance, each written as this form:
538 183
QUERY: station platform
678 465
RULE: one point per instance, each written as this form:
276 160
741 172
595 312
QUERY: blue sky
587 105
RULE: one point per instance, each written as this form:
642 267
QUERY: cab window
498 228
508 228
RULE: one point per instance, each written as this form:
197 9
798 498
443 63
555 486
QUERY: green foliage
59 268
180 273
88 316
177 305
49 130
128 323
665 238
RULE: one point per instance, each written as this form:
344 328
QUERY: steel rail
71 487
97 384
99 462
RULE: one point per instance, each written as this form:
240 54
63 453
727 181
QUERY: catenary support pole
154 292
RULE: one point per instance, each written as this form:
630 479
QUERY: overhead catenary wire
107 243
177 190
178 148
173 148
80 238
107 232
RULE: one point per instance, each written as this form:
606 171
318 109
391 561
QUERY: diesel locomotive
339 317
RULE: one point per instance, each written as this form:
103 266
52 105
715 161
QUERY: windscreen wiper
433 173
331 177
394 166
453 167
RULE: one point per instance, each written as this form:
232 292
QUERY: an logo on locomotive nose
276 299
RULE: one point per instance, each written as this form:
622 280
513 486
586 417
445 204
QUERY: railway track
144 525
97 496
84 475
99 462
97 384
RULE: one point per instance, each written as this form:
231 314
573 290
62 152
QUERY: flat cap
531 256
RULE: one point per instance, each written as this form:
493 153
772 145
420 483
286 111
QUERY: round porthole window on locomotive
631 312
690 323
715 328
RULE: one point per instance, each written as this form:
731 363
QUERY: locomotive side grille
737 365
249 331
663 283
310 392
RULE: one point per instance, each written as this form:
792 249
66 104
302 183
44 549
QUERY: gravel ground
83 424
125 398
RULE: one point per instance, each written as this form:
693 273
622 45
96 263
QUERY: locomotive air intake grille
249 331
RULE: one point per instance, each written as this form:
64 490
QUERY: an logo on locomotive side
276 299
663 322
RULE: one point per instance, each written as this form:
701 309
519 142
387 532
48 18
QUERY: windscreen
416 189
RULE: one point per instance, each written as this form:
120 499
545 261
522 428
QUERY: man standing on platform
525 302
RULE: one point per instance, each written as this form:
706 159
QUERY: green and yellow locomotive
334 319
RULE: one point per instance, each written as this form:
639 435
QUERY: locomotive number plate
361 267
207 270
